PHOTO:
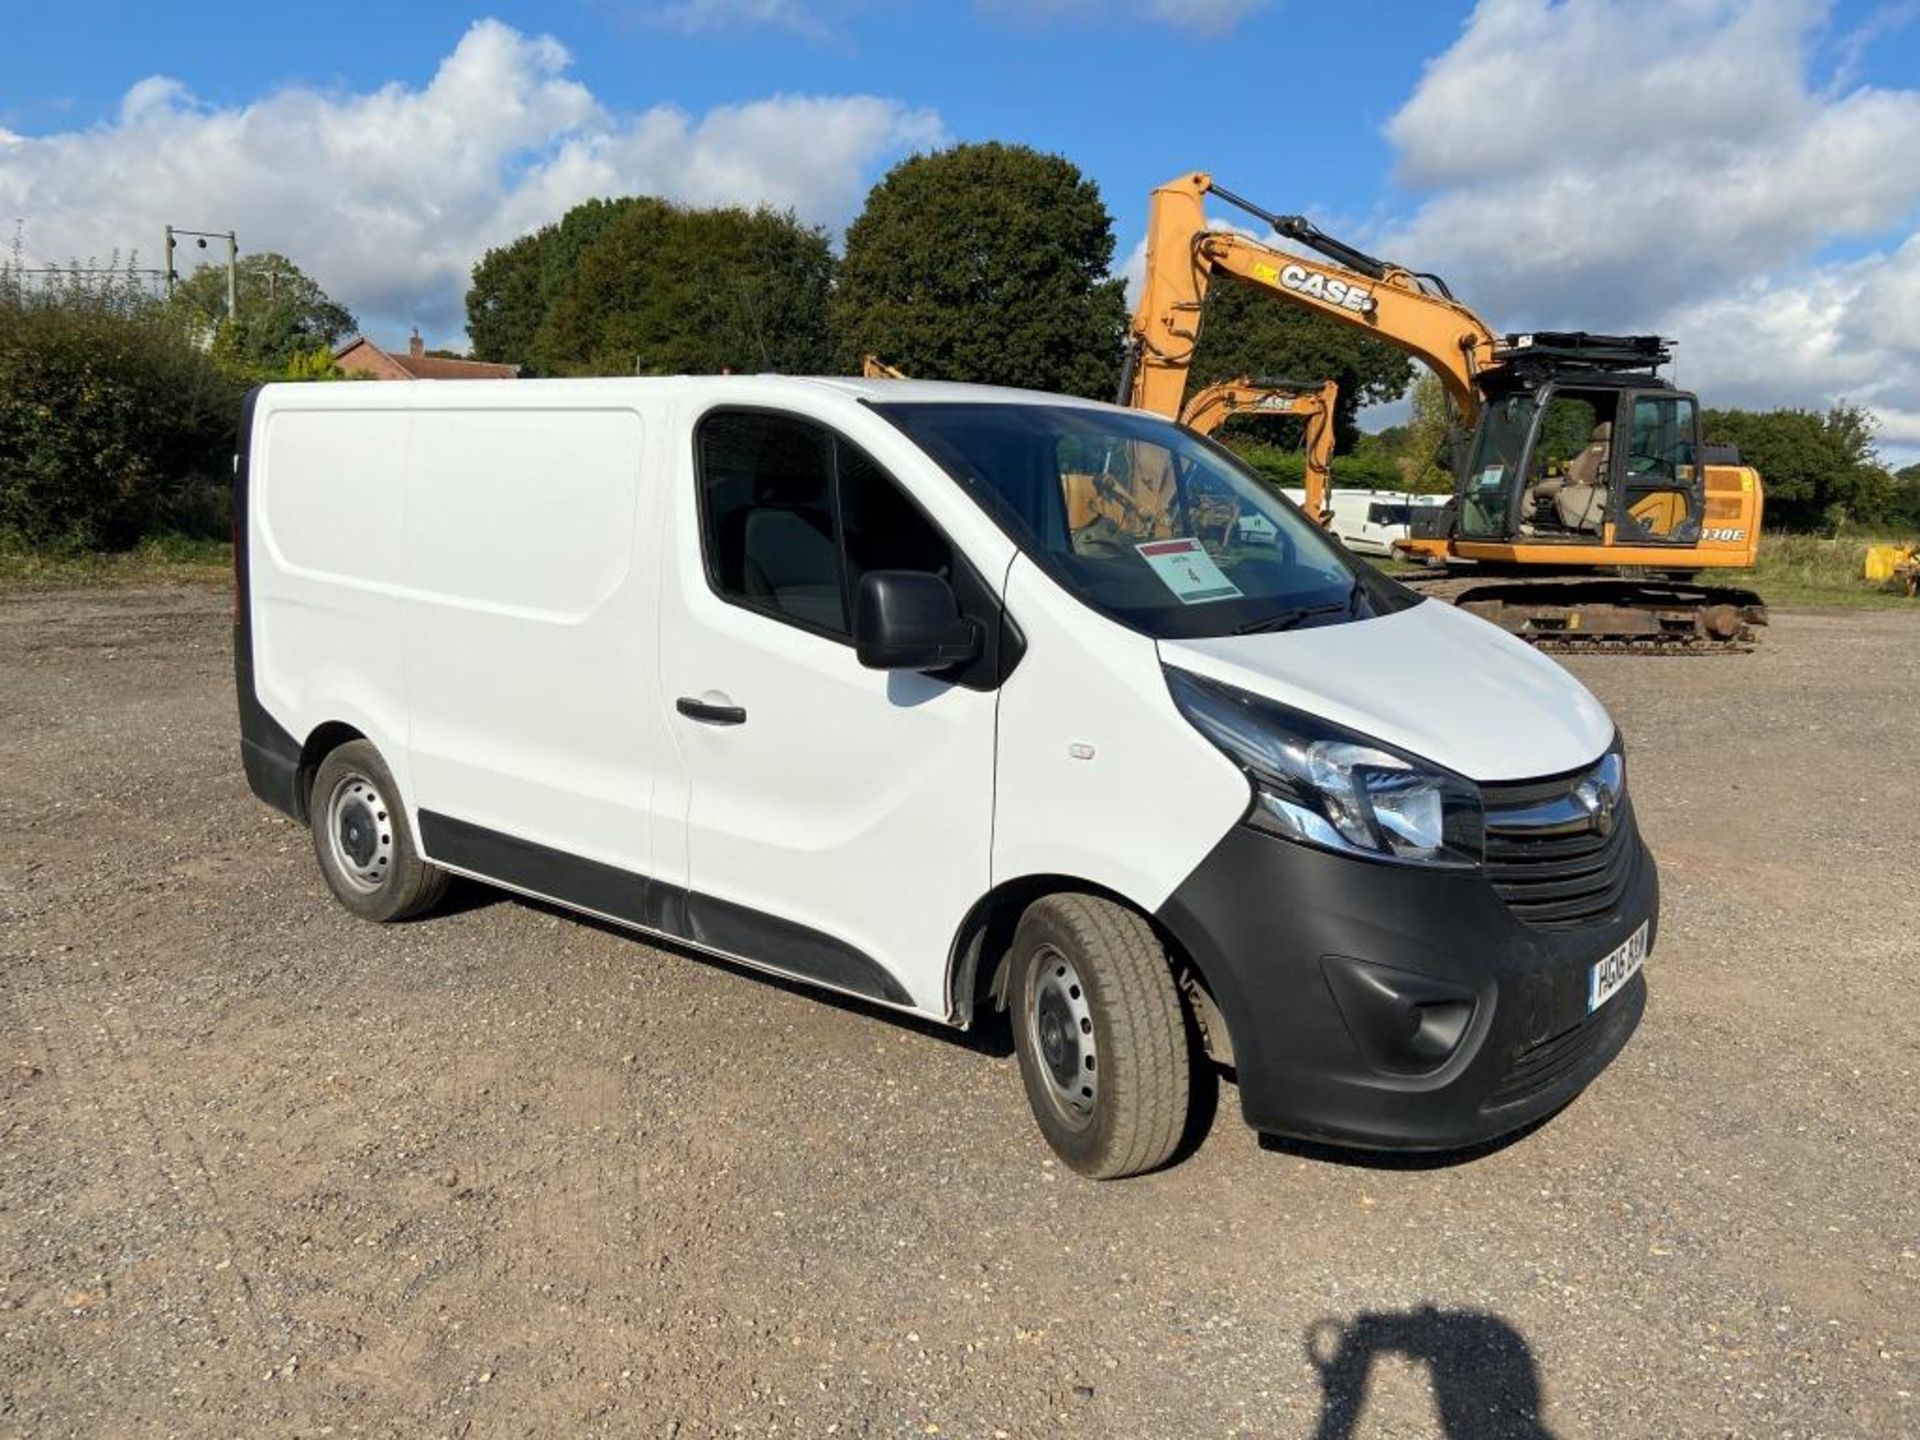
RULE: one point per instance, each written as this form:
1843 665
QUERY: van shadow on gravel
1353 1157
1486 1385
990 1036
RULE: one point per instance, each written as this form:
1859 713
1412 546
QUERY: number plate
1610 972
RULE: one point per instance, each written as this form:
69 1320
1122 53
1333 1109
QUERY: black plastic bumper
1390 1007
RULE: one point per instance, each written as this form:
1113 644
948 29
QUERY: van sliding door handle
710 714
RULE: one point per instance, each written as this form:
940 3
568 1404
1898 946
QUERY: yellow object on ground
1884 560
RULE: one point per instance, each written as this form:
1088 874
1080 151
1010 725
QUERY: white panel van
880 686
1369 521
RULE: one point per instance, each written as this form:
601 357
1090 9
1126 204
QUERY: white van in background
1369 521
825 677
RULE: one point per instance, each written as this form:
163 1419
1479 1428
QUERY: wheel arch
324 740
977 961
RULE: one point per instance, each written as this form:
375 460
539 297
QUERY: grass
1815 570
166 559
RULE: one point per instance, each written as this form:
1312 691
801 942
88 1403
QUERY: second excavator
1213 407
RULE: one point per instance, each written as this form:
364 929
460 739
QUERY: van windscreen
1151 524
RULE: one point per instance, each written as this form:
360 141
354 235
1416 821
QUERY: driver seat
1581 502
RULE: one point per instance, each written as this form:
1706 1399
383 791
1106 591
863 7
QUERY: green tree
114 421
669 290
1423 452
1369 467
986 263
1906 497
1820 471
504 303
515 284
1245 331
283 313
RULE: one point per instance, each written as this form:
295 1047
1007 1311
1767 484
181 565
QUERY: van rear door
839 819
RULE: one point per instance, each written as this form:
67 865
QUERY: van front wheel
1101 1037
361 839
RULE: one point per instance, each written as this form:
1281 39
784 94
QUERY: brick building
360 356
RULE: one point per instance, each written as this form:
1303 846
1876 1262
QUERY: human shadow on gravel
1486 1385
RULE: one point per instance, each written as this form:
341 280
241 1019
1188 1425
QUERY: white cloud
693 16
1209 17
387 197
1202 17
1677 165
1843 331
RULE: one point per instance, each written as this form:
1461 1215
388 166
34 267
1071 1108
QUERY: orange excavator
1213 407
1586 508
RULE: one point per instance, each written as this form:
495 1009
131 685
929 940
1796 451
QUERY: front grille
1546 858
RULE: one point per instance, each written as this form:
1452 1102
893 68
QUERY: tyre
1102 1039
361 838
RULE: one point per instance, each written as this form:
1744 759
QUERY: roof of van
717 386
949 391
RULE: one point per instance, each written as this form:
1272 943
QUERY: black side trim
664 909
587 884
269 755
737 930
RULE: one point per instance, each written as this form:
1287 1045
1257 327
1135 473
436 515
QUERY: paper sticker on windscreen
1186 569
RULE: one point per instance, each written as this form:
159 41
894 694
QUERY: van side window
883 528
767 483
793 516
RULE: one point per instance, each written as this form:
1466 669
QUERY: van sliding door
531 664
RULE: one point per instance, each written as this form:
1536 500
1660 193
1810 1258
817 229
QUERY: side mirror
909 620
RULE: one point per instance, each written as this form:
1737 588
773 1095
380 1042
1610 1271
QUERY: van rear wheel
1100 1034
361 838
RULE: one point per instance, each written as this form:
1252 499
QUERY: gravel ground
266 1170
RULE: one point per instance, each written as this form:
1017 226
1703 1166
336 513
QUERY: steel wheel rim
360 833
1060 1030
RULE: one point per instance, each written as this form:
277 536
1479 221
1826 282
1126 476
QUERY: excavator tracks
1643 617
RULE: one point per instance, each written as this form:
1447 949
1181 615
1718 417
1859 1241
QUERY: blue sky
1248 103
1729 170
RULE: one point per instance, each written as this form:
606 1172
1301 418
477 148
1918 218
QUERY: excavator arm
1184 255
1212 407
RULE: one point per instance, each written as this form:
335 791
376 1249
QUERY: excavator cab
1581 443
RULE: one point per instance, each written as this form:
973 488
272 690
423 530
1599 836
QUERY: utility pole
200 238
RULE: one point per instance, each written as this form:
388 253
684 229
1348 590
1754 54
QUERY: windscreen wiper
1287 619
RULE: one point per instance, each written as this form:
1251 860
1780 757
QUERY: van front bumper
1391 1007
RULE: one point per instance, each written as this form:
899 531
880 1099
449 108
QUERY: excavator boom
1184 254
1212 407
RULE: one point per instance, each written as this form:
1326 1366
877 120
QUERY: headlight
1321 785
